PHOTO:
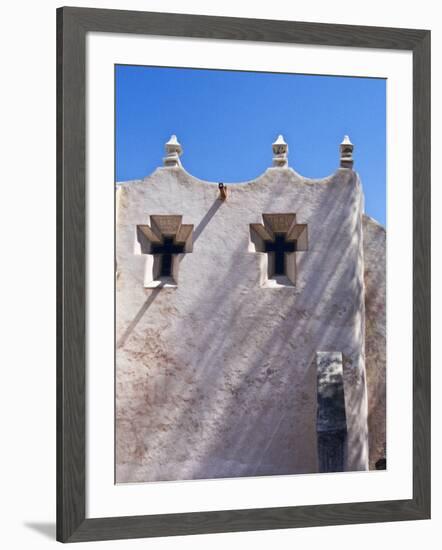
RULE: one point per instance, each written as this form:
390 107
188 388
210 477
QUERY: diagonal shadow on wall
207 217
138 316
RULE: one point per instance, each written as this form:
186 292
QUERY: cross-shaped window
278 238
163 241
279 247
166 249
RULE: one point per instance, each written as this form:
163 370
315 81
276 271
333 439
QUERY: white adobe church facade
250 324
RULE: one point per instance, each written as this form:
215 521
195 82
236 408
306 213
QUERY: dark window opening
166 250
280 247
331 451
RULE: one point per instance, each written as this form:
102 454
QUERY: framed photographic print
243 274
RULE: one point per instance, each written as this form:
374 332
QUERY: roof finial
280 152
346 151
174 151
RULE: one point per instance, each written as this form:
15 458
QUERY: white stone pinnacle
280 151
173 152
346 152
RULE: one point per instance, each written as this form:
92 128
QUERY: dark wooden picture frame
73 24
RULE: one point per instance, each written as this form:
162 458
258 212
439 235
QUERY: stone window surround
262 233
147 236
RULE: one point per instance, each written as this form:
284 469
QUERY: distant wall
375 335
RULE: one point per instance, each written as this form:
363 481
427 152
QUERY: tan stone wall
217 377
375 336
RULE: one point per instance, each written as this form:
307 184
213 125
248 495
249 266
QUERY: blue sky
226 122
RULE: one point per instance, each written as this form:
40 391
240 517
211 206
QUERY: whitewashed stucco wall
217 377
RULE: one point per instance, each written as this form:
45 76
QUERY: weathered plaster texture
375 335
216 377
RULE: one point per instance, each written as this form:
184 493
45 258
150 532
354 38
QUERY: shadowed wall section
375 339
216 377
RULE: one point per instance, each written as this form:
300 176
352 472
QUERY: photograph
250 274
227 331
